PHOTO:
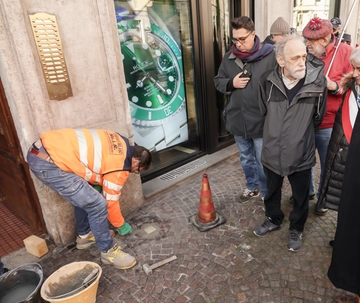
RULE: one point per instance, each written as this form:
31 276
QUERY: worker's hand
125 229
240 82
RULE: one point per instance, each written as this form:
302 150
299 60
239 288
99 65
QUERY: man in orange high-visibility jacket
71 162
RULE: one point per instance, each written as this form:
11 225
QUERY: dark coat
268 40
289 129
344 270
335 159
243 117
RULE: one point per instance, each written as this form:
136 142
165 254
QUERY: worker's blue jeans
83 196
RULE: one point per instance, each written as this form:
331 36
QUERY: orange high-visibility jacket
101 157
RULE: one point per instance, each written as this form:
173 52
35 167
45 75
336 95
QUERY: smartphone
245 74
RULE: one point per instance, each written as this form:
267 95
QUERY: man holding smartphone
238 77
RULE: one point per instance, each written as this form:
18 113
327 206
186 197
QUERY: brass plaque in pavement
48 42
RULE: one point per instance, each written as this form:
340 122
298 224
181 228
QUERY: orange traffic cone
206 208
207 218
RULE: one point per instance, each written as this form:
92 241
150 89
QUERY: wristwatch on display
154 79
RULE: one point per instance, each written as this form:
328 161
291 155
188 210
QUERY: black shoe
311 197
321 211
294 240
265 227
5 270
331 243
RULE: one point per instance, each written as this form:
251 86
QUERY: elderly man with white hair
293 102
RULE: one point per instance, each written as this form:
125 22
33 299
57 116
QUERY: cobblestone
223 265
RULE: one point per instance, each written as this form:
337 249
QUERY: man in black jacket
238 77
292 100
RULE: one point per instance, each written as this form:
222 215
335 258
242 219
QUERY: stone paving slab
224 265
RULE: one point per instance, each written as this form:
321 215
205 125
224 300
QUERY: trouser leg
322 138
247 160
82 221
272 199
258 143
78 191
300 185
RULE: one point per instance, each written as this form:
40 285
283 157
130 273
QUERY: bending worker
71 162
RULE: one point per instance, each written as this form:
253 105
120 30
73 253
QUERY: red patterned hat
317 28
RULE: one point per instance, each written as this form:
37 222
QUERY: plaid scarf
255 54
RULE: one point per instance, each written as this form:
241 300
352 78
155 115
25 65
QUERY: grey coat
243 117
289 129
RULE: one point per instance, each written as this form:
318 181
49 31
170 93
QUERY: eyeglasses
241 40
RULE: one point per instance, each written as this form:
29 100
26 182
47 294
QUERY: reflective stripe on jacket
99 156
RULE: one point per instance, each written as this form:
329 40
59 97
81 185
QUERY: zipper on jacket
272 85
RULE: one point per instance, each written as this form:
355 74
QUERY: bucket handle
87 281
91 275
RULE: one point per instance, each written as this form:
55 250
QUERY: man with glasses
238 77
72 162
321 42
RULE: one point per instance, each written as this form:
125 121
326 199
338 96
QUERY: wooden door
17 191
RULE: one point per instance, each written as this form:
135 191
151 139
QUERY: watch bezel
156 116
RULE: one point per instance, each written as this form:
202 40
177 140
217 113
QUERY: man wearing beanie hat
238 77
321 42
278 30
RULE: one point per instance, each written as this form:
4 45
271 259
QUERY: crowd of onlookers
289 97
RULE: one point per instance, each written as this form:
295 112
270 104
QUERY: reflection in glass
221 21
156 45
305 10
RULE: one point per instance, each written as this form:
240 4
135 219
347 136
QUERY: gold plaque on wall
51 55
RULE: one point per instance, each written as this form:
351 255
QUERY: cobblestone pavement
226 264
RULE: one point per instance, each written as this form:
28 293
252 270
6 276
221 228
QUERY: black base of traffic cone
207 226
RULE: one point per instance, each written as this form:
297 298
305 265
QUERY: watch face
154 75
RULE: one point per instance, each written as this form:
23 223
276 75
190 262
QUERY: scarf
255 54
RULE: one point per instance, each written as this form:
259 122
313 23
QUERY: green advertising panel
154 72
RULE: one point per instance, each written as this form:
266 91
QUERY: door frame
39 226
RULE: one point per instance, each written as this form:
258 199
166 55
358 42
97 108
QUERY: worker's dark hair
243 22
143 155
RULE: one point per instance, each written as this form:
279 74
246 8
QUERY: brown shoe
347 299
